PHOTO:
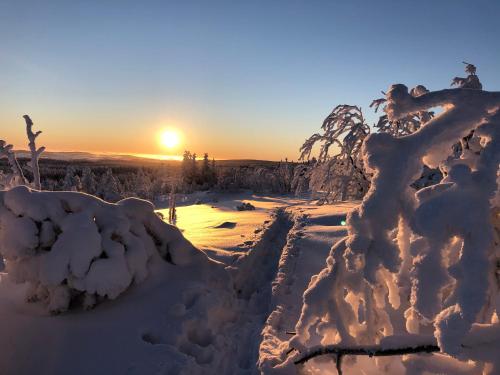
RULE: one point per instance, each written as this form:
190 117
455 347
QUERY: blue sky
239 79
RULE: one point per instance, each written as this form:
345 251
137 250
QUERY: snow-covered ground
233 314
218 228
227 317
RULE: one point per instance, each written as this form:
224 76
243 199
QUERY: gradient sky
240 79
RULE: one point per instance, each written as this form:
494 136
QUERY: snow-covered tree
207 173
469 82
338 173
335 177
17 177
285 176
205 167
108 188
35 152
142 184
418 268
189 170
157 188
88 181
301 179
71 181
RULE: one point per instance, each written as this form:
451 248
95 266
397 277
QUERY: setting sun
169 138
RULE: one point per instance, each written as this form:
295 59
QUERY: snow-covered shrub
301 179
338 173
269 180
16 177
421 262
70 245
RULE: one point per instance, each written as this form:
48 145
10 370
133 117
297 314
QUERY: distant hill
80 155
144 159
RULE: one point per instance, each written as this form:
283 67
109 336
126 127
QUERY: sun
169 138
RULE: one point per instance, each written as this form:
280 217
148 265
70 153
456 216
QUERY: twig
338 364
371 351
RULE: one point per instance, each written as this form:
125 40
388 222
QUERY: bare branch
371 351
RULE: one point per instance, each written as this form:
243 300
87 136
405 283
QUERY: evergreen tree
108 187
71 181
187 177
88 180
207 175
142 184
194 169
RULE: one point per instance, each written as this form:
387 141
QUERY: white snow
184 317
219 229
66 243
243 292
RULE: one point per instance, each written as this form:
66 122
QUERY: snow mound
226 225
72 246
245 206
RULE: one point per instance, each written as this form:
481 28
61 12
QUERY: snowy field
189 320
248 284
218 228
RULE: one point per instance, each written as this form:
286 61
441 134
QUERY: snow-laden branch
35 152
407 124
6 150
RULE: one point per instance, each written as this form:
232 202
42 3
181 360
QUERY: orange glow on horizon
95 136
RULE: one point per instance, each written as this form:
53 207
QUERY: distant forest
113 179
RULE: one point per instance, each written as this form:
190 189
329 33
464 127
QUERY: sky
237 79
